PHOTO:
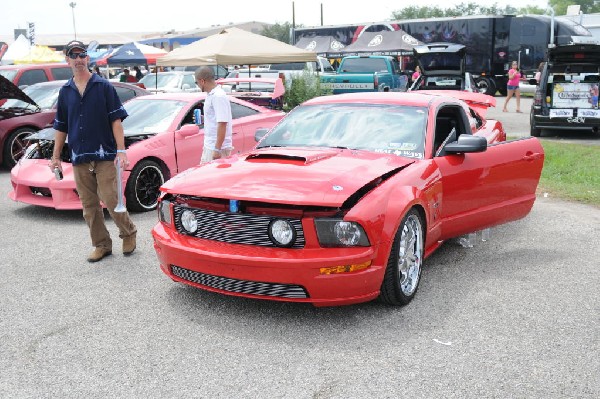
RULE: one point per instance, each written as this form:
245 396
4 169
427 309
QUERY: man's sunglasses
74 56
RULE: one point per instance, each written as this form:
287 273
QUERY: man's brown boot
129 244
98 253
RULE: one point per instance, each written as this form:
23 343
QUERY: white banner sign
574 95
588 113
561 113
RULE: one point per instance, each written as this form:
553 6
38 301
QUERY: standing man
89 113
217 117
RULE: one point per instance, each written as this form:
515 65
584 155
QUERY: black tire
503 90
403 270
533 131
143 186
486 86
15 146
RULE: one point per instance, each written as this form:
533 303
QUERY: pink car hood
321 177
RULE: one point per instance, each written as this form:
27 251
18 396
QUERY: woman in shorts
512 87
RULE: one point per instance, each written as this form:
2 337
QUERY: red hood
321 177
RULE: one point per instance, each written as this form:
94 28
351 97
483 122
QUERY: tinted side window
239 111
124 93
31 77
61 73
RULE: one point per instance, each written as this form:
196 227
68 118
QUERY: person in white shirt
217 117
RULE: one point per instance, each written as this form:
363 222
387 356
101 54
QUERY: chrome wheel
15 146
405 262
410 255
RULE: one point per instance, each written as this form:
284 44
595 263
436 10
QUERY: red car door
484 189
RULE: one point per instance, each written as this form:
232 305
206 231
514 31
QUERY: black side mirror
533 82
260 133
466 143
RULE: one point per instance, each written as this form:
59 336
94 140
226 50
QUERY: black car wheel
15 146
403 271
142 189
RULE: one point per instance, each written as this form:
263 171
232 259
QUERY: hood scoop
304 156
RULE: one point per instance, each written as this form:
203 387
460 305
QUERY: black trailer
492 41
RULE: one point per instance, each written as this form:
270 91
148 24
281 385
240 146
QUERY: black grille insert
241 286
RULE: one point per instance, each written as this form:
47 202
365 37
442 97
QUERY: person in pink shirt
417 73
514 76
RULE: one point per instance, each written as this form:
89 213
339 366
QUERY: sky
101 16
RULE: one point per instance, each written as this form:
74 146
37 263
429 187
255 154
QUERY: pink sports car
162 140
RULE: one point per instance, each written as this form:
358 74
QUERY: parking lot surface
516 316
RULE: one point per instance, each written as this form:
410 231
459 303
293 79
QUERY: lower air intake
241 286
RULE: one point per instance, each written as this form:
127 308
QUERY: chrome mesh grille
241 286
235 228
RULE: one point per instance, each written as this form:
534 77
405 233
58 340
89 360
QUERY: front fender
381 210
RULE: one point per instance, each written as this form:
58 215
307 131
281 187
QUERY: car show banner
575 95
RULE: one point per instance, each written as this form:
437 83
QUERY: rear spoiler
278 87
478 101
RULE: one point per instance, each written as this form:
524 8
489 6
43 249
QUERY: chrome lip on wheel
19 145
409 256
148 186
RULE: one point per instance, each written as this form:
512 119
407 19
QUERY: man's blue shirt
88 120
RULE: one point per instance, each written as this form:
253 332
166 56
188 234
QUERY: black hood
9 91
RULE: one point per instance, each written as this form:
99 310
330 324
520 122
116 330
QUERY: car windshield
150 116
45 96
393 129
160 81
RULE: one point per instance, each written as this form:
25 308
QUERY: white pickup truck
289 69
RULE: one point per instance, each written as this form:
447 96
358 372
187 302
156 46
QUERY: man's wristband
121 151
215 150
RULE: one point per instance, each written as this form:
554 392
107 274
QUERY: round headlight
189 222
347 233
282 233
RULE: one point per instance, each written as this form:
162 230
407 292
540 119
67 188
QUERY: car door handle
531 156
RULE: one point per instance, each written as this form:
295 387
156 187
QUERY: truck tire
486 86
501 85
533 130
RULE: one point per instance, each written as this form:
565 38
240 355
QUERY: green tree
412 12
587 6
278 31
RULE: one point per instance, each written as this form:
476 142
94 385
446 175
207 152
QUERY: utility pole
321 14
72 5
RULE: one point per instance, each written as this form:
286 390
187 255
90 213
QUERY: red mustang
342 201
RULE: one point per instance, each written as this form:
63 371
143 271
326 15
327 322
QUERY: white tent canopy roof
18 49
235 46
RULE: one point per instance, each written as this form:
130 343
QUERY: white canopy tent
235 46
18 49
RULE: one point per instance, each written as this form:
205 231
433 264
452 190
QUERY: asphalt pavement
517 316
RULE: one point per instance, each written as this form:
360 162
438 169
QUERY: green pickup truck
366 73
